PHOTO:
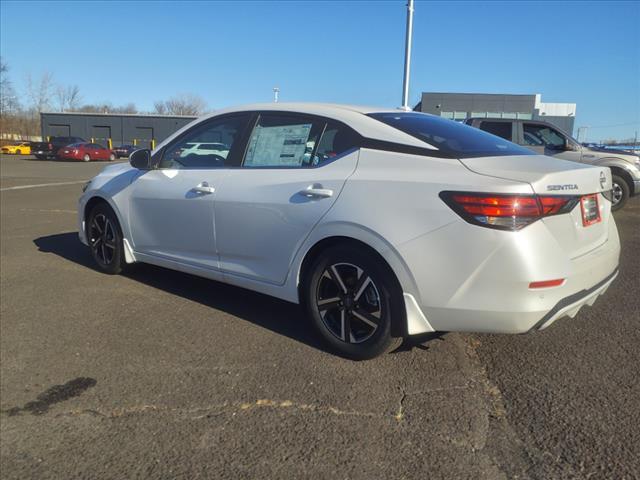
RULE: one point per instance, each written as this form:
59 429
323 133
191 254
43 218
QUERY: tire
620 193
86 158
18 152
112 157
351 297
105 239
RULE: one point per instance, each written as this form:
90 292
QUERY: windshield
448 136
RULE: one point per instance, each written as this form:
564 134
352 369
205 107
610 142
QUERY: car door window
500 129
283 141
542 135
187 151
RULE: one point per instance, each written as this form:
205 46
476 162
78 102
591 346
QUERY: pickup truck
547 139
46 150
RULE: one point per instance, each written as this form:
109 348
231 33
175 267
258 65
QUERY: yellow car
20 148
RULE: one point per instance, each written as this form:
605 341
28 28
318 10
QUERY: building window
523 116
447 114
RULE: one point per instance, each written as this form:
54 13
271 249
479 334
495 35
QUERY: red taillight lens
505 212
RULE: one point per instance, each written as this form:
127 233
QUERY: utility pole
407 56
276 91
584 137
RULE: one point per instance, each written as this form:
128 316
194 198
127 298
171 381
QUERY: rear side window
335 141
282 141
500 129
449 137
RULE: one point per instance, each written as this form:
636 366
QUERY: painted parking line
22 187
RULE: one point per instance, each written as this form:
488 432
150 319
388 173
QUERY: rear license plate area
590 209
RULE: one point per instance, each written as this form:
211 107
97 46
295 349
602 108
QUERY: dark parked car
125 150
50 149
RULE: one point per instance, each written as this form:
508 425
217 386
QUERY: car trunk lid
576 233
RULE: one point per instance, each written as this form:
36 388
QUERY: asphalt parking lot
158 374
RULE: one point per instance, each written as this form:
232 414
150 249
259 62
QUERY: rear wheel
351 298
105 239
86 158
620 193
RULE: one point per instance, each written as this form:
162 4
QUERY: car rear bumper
479 280
569 306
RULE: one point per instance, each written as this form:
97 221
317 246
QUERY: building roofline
149 115
482 93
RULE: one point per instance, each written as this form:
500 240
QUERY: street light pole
407 56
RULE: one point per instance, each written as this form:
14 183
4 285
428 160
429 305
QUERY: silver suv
547 139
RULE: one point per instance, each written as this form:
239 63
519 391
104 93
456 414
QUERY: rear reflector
506 212
547 283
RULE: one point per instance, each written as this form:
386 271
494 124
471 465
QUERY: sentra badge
567 186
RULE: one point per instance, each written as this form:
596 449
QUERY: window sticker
284 145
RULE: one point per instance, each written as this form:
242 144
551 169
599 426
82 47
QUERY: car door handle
316 191
203 188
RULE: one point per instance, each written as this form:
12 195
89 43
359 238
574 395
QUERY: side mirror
141 159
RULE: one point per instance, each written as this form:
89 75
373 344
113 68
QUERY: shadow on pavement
281 317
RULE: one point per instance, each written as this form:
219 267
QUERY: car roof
354 116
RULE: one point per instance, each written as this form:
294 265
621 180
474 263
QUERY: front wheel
86 158
112 157
105 239
351 297
620 193
18 152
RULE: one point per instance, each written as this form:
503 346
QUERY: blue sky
348 52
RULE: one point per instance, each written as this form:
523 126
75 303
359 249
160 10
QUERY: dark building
460 106
112 130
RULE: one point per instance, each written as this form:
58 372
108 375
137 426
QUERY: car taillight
506 212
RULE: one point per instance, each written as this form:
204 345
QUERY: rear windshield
450 137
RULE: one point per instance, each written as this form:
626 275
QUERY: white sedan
382 223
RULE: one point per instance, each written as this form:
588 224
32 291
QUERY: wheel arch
626 176
388 258
618 167
91 204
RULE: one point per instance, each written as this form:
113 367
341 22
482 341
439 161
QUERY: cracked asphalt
158 374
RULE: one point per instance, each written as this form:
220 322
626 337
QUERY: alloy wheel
617 193
102 238
349 302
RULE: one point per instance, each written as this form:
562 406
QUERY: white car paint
256 226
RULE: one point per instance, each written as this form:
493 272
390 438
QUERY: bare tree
9 103
68 98
160 108
182 104
39 92
127 108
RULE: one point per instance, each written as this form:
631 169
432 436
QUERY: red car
86 152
